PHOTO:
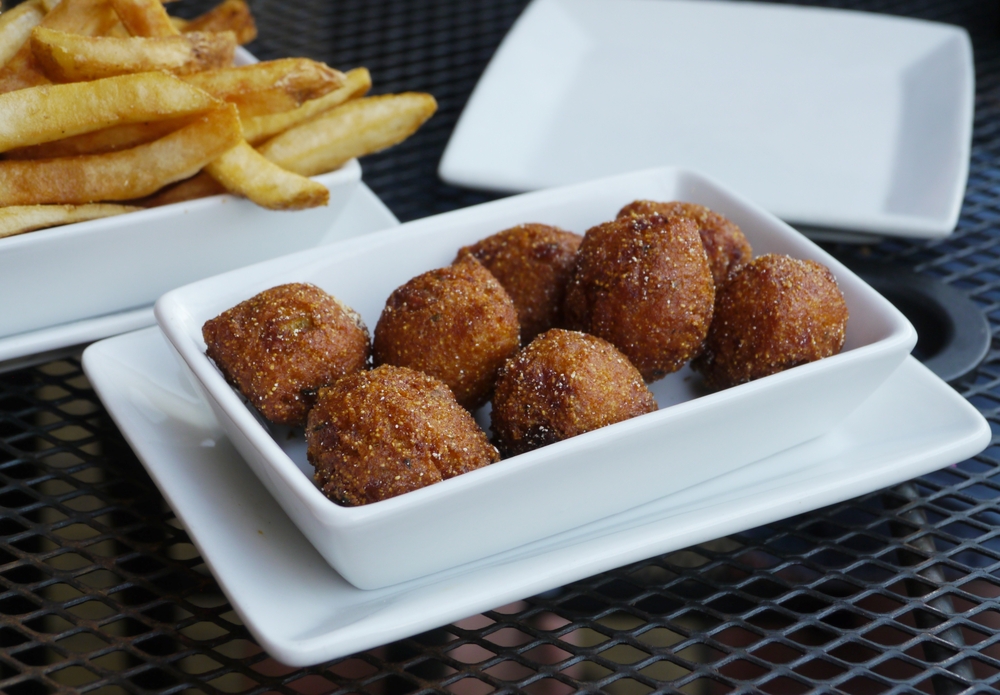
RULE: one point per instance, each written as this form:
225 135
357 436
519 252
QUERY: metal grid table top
101 590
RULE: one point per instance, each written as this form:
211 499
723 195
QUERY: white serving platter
828 118
567 484
363 213
302 612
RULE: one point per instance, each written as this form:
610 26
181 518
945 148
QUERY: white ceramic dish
828 118
302 612
567 484
363 213
118 264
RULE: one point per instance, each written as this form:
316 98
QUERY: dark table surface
101 590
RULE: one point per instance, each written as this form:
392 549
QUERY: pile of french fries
111 106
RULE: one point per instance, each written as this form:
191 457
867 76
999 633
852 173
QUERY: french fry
257 129
269 87
357 128
119 137
15 27
17 219
242 170
66 57
49 112
230 15
144 17
124 175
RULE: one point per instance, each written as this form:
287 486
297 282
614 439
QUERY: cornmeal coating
377 434
643 283
533 262
280 346
564 383
456 323
726 245
775 313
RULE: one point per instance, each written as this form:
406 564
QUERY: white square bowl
692 438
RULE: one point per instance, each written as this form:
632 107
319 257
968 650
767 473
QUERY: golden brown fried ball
533 263
377 434
643 284
563 384
280 346
726 245
775 313
457 324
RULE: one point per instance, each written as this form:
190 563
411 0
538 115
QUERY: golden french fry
230 15
17 219
257 129
242 170
68 57
118 137
15 27
124 175
357 128
269 87
201 185
144 17
50 112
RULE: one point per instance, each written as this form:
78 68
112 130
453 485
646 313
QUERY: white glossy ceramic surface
567 484
362 214
302 612
828 118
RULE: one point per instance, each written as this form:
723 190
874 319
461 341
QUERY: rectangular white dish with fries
693 437
104 266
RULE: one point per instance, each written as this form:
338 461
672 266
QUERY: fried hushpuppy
564 383
379 433
775 313
533 263
280 346
456 323
643 283
726 245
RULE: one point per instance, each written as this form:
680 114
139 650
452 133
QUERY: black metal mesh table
101 590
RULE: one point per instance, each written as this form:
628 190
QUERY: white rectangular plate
569 483
363 213
828 118
302 612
